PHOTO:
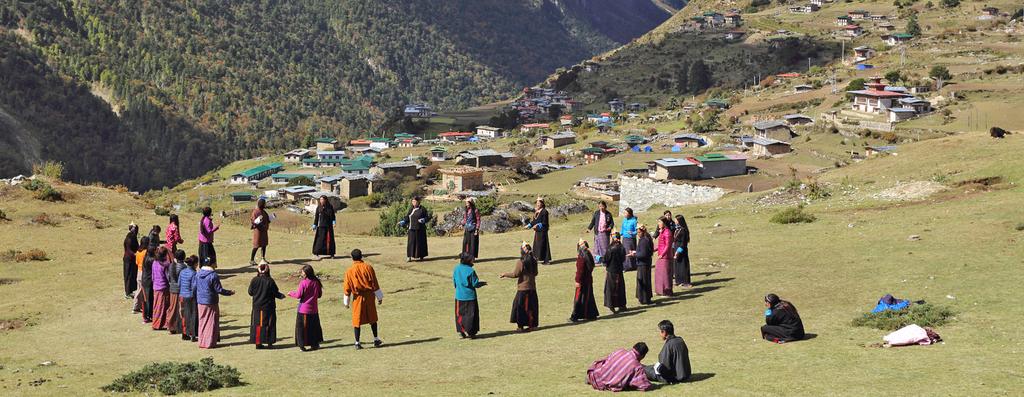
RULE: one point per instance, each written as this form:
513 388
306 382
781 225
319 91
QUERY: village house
719 104
438 153
798 119
318 163
876 150
900 114
885 27
329 183
733 20
634 140
667 169
356 167
769 147
863 53
874 98
481 158
380 143
616 106
455 136
418 110
534 127
734 34
326 144
858 14
896 39
295 193
800 88
714 19
407 169
919 105
636 107
486 131
355 143
819 3
330 155
296 156
560 139
407 142
852 31
312 200
459 179
773 129
567 121
285 178
844 20
242 196
687 140
878 17
716 165
805 9
594 154
919 88
255 174
362 151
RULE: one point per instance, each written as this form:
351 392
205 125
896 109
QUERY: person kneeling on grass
620 371
361 285
673 364
782 322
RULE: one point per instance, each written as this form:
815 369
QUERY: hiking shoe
252 263
359 346
378 343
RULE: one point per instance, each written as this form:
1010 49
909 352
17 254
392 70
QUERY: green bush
1020 227
301 181
35 185
792 215
925 315
51 169
49 194
161 211
172 378
3 216
486 204
389 218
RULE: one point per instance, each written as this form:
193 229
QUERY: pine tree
682 78
700 76
913 28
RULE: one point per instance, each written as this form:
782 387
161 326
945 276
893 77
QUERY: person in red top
471 229
620 371
584 307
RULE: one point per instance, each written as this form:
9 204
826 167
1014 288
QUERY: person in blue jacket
208 290
467 311
187 295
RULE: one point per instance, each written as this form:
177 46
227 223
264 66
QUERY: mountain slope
249 77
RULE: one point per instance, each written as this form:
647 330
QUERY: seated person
782 322
620 371
673 364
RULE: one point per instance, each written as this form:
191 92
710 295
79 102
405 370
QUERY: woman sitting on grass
782 322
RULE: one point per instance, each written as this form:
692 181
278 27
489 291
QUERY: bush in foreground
172 378
925 315
23 256
792 215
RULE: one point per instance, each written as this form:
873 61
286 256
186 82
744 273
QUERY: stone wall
641 194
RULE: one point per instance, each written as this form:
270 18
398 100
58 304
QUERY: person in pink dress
663 267
307 321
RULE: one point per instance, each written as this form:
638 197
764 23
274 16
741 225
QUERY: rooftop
460 171
879 93
719 157
674 162
769 124
260 169
768 142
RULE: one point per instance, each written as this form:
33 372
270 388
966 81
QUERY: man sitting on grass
673 364
620 371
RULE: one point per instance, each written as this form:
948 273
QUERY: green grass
926 315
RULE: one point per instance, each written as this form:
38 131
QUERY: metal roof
768 124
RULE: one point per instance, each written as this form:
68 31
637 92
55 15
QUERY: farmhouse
296 156
863 53
242 196
874 98
773 129
560 139
255 174
733 20
919 105
886 27
295 193
805 9
687 140
459 179
284 178
318 163
673 169
326 144
802 88
566 121
403 168
438 153
330 155
616 106
453 136
714 19
798 119
899 114
486 131
594 154
716 165
363 151
719 104
634 140
769 147
418 110
380 143
858 14
526 128
481 158
852 30
356 143
897 39
844 20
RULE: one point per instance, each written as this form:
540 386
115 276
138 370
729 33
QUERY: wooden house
326 144
458 179
769 147
773 129
673 169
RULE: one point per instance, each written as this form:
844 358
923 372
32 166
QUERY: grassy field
968 258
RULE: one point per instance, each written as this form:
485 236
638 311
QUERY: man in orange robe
361 286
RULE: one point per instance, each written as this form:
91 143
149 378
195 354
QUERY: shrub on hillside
486 205
301 181
43 191
389 218
3 216
1020 227
23 256
940 72
172 378
925 315
161 211
45 220
792 215
50 169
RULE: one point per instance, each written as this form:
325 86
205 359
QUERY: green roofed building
326 144
242 196
717 165
256 173
284 178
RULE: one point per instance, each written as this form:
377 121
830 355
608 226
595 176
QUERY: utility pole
842 55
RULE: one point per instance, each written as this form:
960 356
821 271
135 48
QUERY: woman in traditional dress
601 224
644 257
540 226
259 222
208 292
187 296
207 254
471 229
782 322
131 245
264 293
467 309
614 282
663 267
681 260
584 307
525 309
154 237
161 294
672 225
323 225
174 323
416 223
173 234
307 319
628 229
147 283
139 303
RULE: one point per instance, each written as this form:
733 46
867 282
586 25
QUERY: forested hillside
248 77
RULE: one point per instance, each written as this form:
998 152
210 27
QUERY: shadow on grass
331 344
713 281
705 273
700 377
625 313
276 346
561 261
504 258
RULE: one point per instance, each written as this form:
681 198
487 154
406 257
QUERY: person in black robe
416 223
584 307
131 270
644 256
264 293
673 364
540 226
471 229
147 282
323 225
681 242
614 282
782 321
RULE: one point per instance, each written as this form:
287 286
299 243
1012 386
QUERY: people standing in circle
416 224
471 229
147 282
644 257
525 308
672 226
584 307
130 271
601 224
173 234
187 294
263 322
207 254
208 291
308 333
323 225
361 289
629 238
161 294
663 267
782 322
467 309
259 222
681 260
154 237
614 282
139 303
540 226
173 271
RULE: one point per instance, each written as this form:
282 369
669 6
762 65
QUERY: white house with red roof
875 99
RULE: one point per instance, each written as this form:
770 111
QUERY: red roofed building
359 142
788 75
874 98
